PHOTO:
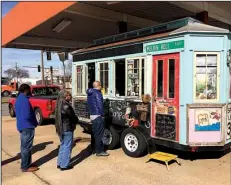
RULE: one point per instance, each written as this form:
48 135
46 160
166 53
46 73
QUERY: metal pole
42 65
64 74
16 67
52 77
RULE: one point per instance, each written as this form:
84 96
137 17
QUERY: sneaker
102 154
30 169
67 168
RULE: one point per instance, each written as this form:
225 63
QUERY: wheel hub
131 142
107 137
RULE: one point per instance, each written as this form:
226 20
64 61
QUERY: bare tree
68 70
68 66
20 73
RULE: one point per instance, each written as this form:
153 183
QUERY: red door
165 97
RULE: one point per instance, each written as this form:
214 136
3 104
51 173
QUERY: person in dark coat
65 124
96 110
26 124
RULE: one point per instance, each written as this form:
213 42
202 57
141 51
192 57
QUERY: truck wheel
133 143
111 138
11 111
5 93
39 116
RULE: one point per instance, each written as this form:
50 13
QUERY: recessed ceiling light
112 2
62 25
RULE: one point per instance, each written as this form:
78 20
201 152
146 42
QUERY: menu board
166 126
81 108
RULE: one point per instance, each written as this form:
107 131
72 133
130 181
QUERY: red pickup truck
43 101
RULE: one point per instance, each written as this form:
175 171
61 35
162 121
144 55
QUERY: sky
25 57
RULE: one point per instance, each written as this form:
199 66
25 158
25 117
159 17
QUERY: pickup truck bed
44 106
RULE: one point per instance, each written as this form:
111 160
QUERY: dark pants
65 149
27 137
97 134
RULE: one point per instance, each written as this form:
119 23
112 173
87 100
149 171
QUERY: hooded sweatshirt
95 102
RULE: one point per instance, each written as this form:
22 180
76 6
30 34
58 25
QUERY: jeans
65 149
98 130
27 137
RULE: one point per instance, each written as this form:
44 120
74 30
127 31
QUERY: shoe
67 168
58 166
92 151
102 154
32 165
31 169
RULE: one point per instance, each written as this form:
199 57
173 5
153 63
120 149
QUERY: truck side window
206 76
104 77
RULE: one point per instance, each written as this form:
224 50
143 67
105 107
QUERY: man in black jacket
65 124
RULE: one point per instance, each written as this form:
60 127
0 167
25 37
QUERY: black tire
133 143
111 138
39 116
11 111
5 93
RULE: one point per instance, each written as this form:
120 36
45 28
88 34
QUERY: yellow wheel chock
164 157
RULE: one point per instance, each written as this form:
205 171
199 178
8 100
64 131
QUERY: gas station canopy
68 26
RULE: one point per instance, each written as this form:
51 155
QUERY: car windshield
45 91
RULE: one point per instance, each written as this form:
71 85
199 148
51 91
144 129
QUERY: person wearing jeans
65 150
96 110
98 130
26 123
65 124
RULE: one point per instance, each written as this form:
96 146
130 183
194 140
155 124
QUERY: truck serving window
120 77
206 76
135 69
104 77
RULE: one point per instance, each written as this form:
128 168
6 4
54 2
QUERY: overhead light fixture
62 25
112 2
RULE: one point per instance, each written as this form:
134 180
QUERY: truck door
165 97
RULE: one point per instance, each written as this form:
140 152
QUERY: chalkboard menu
166 126
81 108
117 109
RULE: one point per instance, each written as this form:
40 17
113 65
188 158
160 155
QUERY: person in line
96 110
65 124
26 124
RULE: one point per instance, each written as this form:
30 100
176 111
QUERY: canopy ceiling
29 25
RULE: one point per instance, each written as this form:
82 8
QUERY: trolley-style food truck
184 66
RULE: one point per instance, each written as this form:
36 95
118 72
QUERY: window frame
157 78
195 75
174 78
103 62
84 73
140 75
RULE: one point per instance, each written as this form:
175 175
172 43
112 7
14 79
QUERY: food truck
184 65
